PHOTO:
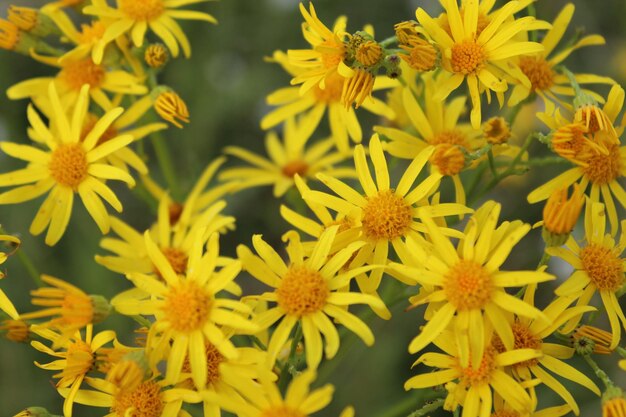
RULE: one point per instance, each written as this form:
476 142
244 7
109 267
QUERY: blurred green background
225 84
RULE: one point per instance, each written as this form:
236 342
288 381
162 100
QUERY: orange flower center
369 53
282 411
482 374
145 401
496 130
91 33
538 71
332 91
176 258
145 10
523 339
603 169
332 59
467 57
386 216
302 291
604 267
448 159
295 167
68 165
452 137
78 73
79 360
468 286
213 360
187 307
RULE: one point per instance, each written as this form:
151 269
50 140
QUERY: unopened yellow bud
601 338
15 330
9 35
422 56
613 403
369 53
156 55
560 215
130 372
32 21
405 32
171 107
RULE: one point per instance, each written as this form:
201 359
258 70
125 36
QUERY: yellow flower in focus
479 58
384 215
75 359
465 286
171 108
306 293
531 334
134 17
540 68
474 387
598 266
186 309
71 309
315 102
326 53
289 158
601 162
70 167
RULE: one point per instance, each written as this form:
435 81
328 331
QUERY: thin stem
599 372
621 351
141 320
286 369
492 165
545 258
385 42
26 262
165 162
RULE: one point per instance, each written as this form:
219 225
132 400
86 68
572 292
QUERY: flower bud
560 215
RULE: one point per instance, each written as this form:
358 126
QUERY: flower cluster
407 217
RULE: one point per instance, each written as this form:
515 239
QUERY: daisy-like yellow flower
437 126
5 303
151 398
315 102
473 387
383 215
540 68
76 358
598 266
87 39
600 160
70 166
530 334
186 309
134 17
73 75
287 159
70 307
306 293
479 58
326 53
299 400
465 286
174 240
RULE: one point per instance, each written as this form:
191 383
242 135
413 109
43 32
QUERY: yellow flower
290 158
150 398
16 330
530 334
306 292
186 309
5 303
316 101
384 215
136 16
299 400
441 129
474 386
73 75
326 53
601 338
71 166
175 240
171 108
87 41
477 57
598 266
539 68
600 165
614 403
465 286
76 359
71 309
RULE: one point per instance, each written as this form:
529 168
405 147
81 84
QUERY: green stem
548 160
492 165
388 41
471 187
599 372
141 320
165 162
545 258
621 351
26 263
283 381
